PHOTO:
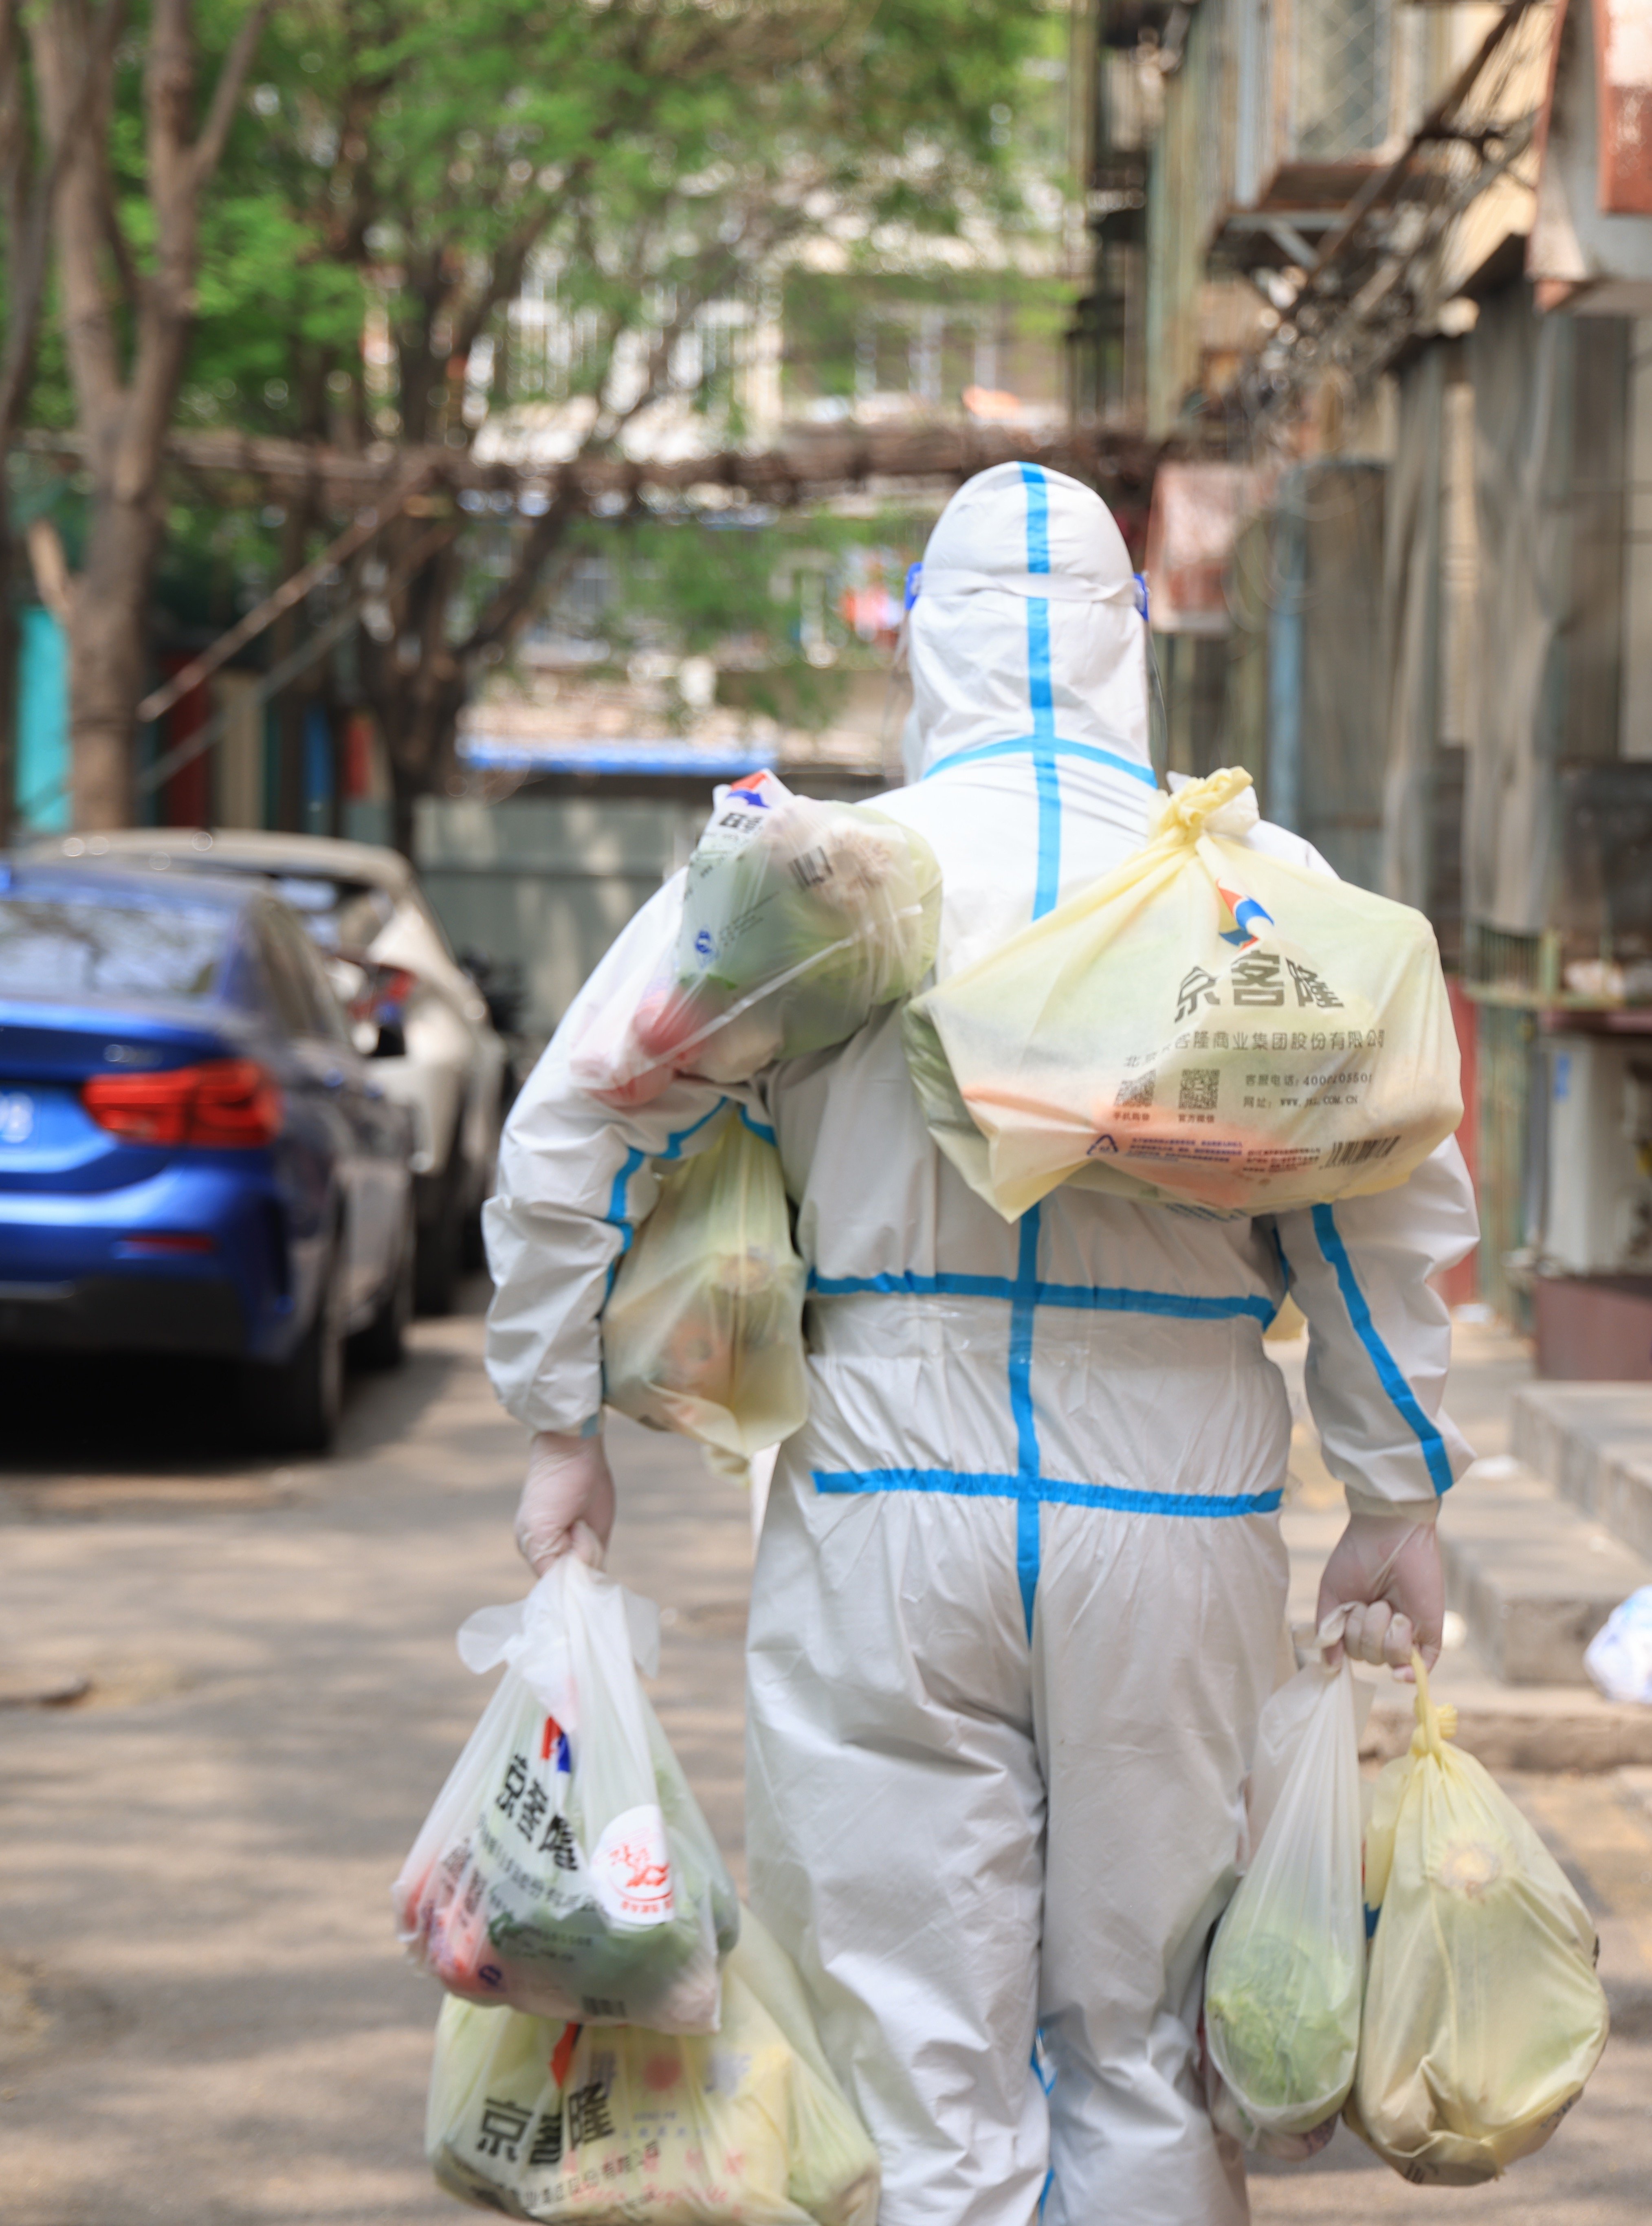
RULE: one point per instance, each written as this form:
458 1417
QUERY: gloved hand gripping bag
1286 1975
1484 2015
565 1868
703 1332
1207 1025
558 2123
799 919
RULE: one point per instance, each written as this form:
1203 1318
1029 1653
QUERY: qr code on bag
1199 1091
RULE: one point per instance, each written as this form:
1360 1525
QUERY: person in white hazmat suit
1019 1593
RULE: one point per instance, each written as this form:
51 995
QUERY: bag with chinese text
566 1868
552 2121
1208 1024
703 1332
1286 1970
799 919
1484 2015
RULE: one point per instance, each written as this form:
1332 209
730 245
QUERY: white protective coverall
1019 1593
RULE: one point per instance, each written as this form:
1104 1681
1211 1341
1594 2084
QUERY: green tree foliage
400 170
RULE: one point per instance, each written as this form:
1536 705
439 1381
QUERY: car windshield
90 946
339 915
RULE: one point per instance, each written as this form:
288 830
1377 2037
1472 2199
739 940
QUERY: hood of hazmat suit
1020 1582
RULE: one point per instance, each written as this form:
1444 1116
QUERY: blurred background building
1377 278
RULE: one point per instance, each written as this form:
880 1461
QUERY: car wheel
294 1407
441 1243
382 1344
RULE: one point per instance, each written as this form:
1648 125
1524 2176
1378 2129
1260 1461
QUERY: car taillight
223 1101
392 986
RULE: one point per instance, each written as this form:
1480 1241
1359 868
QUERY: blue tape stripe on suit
963 1484
748 1120
1083 1297
1038 518
1057 745
1387 1368
617 1217
1022 1316
1040 688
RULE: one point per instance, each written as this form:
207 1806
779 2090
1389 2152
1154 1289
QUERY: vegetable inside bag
566 1868
1207 1025
1483 2016
1286 1975
703 1332
550 2121
798 918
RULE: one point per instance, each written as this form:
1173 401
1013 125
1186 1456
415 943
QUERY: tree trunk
8 669
108 633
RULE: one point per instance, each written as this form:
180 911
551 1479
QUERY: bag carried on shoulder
703 1332
566 1868
1207 1025
552 2121
1484 2015
1286 1970
799 919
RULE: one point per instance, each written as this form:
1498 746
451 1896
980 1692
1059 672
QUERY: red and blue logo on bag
1243 911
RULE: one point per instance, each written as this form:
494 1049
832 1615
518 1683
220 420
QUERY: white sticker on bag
632 1869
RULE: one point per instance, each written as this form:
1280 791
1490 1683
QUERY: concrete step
1533 1578
1593 1441
1561 1725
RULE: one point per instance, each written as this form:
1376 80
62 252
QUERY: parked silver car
414 1010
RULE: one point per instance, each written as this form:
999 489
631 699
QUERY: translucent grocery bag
703 1332
799 919
551 2122
1286 1974
1207 1024
1483 2016
566 1868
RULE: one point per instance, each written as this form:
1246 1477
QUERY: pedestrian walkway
203 2015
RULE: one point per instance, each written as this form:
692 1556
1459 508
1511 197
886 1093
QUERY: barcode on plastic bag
810 868
1353 1154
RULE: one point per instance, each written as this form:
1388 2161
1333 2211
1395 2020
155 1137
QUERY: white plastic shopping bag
1619 1655
566 1868
1207 1025
703 1332
799 919
1484 2014
1286 1975
560 2122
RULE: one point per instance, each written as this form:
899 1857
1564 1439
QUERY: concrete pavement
204 2018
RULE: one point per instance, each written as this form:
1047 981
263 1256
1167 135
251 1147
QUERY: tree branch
209 147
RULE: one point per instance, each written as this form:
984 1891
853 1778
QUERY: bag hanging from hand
799 919
565 1868
562 2122
1206 1025
1484 2015
703 1332
1286 1970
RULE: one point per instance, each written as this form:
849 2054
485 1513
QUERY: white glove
567 1503
1386 1570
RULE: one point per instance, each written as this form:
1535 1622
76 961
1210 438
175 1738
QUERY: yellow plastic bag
703 1332
551 2122
1483 2016
1207 1025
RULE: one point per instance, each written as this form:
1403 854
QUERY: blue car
194 1157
